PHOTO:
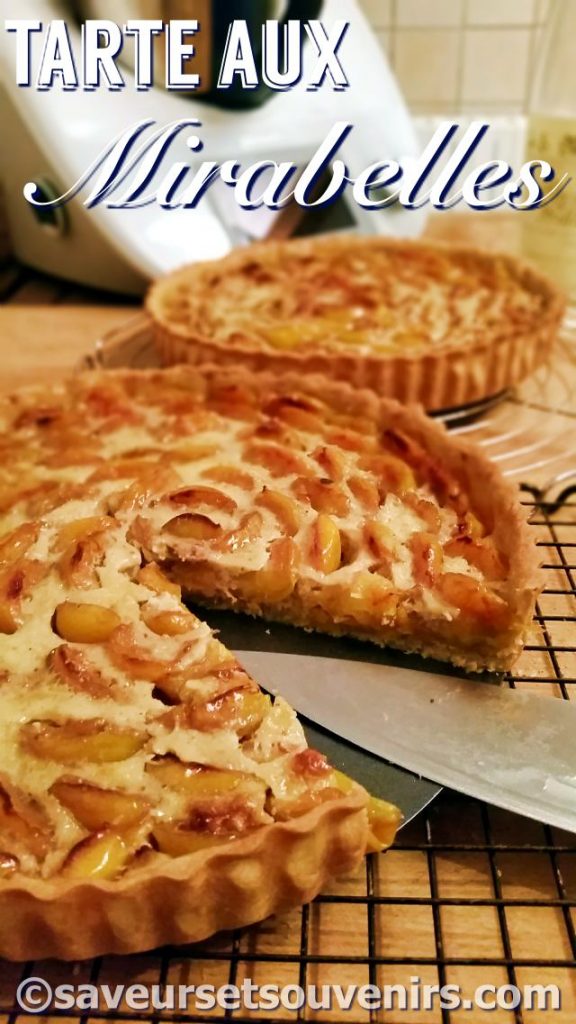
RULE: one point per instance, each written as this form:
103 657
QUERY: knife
508 747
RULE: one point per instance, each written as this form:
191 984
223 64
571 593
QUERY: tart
428 323
149 791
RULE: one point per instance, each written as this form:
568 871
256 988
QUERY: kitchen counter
470 895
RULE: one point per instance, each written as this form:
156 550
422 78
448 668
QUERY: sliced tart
140 766
150 792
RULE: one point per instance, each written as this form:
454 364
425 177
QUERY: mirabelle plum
331 461
391 473
72 741
476 603
248 530
241 710
177 842
297 412
191 526
276 580
97 808
380 539
208 497
18 542
277 460
81 529
384 820
283 507
85 623
370 599
365 491
480 553
427 558
325 544
9 864
323 495
22 824
79 561
199 782
16 580
425 510
170 623
72 667
101 855
151 576
137 660
10 620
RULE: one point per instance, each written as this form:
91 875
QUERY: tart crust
447 374
189 898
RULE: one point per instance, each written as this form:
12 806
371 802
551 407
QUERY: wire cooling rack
470 894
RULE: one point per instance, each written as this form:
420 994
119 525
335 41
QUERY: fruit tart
149 791
420 322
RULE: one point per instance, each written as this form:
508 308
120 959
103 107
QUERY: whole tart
420 322
149 791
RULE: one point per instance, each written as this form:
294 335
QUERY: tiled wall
461 56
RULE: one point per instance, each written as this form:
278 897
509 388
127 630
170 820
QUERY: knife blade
507 747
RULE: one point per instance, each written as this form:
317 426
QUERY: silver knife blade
508 747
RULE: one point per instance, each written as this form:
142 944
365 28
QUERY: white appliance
52 136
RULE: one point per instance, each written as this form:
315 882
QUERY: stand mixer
54 134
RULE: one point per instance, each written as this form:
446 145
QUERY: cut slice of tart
420 322
149 791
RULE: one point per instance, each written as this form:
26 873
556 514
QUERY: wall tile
427 67
460 56
500 12
495 65
437 13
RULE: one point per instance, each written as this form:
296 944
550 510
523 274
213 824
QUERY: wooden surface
46 326
470 895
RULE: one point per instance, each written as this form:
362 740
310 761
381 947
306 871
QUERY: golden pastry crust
434 324
189 898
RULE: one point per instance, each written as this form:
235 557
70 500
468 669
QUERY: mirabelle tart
438 325
149 792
